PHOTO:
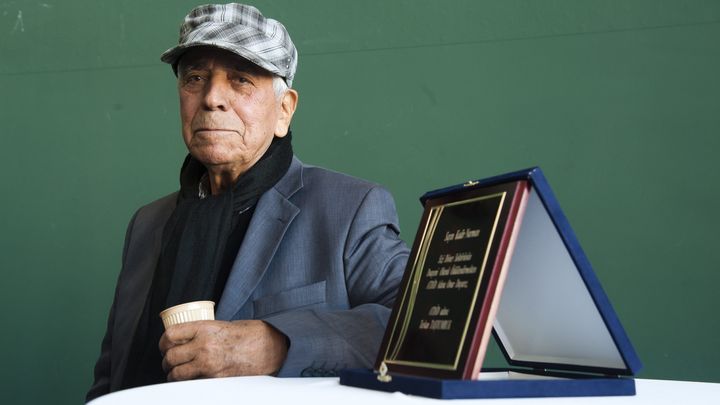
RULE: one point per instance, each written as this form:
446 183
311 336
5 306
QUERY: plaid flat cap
240 29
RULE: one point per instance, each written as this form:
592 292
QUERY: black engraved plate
446 278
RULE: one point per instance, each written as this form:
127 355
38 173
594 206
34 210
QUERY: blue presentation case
555 324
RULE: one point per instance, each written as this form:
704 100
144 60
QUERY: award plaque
444 318
497 257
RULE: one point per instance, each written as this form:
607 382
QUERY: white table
271 390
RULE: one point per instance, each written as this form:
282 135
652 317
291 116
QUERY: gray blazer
321 262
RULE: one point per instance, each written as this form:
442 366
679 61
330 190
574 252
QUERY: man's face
228 109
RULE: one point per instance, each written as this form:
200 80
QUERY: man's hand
221 349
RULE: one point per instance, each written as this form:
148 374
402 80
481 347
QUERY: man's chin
211 160
215 161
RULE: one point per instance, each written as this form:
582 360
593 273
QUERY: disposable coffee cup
188 312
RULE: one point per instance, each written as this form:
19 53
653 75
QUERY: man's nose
216 95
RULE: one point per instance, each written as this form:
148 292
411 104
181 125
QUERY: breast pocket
296 298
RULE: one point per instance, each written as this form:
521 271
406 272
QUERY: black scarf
195 236
199 244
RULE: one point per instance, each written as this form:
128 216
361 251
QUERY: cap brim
172 55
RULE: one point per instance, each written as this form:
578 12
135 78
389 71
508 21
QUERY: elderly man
302 262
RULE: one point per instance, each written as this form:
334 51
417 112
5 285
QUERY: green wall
618 101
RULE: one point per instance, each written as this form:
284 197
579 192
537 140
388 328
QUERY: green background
618 101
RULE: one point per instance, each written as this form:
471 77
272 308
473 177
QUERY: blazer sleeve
325 341
101 383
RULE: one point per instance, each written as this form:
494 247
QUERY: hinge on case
383 375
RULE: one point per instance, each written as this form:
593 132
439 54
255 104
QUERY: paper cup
188 312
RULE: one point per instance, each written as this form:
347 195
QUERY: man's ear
287 109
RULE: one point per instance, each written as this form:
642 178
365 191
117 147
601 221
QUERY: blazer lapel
272 217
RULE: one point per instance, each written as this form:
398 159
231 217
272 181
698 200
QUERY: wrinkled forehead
206 57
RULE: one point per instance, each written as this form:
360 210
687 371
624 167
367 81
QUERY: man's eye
193 79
